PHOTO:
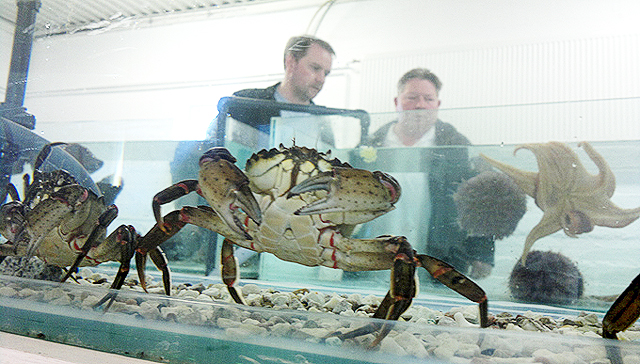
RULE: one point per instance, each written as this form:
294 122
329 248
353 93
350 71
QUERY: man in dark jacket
307 62
418 125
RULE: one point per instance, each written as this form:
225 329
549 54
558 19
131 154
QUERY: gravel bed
195 304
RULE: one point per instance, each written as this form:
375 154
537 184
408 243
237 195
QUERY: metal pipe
12 108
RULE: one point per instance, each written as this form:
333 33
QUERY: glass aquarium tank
506 235
556 303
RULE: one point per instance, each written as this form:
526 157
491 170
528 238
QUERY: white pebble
8 292
447 321
280 299
330 324
333 341
245 331
314 298
281 329
529 326
469 312
461 321
445 351
355 299
148 311
249 329
467 350
511 326
85 272
546 356
213 292
389 345
204 298
412 345
333 302
343 306
157 290
168 311
631 359
187 293
253 299
317 332
250 289
226 323
250 322
27 292
97 277
90 301
371 300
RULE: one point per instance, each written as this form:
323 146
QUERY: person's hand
479 270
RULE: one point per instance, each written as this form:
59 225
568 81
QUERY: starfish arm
525 180
558 165
606 180
549 224
606 213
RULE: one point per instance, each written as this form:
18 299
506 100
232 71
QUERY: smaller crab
65 225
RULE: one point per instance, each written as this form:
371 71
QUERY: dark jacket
447 167
260 117
256 117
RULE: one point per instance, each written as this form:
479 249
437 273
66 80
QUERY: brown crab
301 206
65 224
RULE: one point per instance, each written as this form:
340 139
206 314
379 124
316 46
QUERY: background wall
512 72
161 80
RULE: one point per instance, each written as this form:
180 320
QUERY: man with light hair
417 125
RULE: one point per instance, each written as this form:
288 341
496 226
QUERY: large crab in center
301 205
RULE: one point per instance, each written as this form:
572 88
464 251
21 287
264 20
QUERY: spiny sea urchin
547 277
490 204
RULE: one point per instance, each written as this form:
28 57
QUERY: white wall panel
531 92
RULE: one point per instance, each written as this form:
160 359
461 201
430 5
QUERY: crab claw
226 188
350 190
12 220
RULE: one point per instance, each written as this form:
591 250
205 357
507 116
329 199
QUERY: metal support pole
13 108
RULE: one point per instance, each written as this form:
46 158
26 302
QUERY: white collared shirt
427 140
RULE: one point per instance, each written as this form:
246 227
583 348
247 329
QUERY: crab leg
230 272
624 311
159 259
622 314
400 295
105 219
170 194
172 223
128 239
458 282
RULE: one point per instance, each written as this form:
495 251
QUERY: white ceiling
70 16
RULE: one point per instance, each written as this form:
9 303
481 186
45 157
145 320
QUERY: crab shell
308 203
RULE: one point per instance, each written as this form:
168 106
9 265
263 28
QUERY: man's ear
395 102
289 61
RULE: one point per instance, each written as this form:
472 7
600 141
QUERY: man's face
308 73
419 104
